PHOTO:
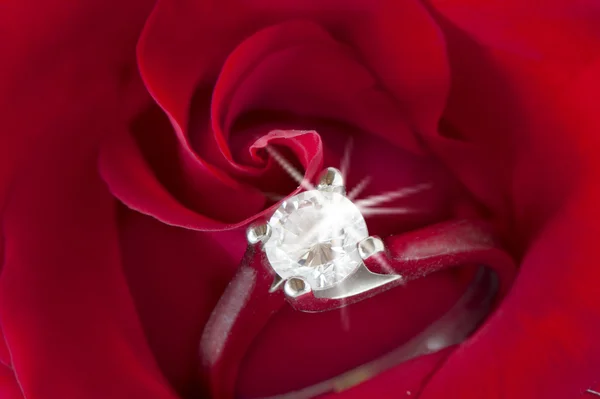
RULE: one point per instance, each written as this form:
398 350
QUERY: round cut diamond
314 235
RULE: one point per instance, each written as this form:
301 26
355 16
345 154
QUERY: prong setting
332 180
277 283
329 261
370 246
258 233
295 287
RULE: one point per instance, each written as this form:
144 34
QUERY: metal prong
258 233
370 246
332 180
277 282
295 287
593 392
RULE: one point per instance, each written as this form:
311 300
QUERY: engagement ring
315 253
317 245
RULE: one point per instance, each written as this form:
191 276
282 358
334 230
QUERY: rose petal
62 289
174 73
406 51
94 60
131 180
4 353
405 381
173 91
176 277
561 37
9 386
543 341
508 59
298 68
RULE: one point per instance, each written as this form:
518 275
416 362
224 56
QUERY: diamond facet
314 235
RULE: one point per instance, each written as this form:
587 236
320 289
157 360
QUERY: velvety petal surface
298 56
519 68
494 103
66 313
70 292
176 277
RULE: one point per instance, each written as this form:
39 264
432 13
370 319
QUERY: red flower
123 195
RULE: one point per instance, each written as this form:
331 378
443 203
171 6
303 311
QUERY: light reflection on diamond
314 235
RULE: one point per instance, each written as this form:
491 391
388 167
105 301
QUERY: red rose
126 183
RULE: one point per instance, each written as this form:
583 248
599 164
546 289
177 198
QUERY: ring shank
451 329
247 304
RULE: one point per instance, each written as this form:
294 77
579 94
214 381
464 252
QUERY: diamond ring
315 254
318 247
